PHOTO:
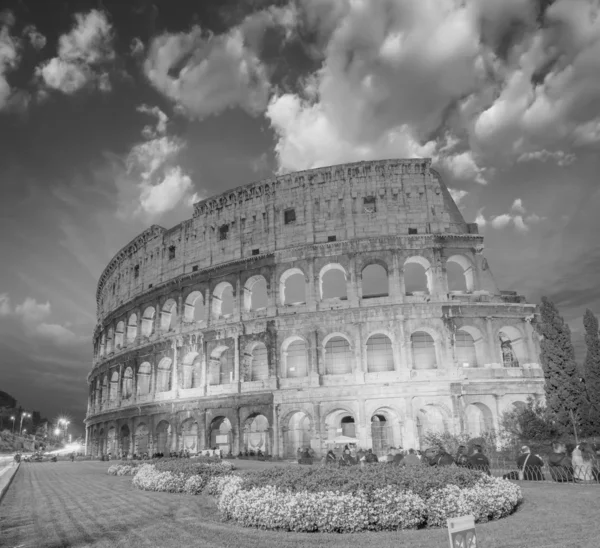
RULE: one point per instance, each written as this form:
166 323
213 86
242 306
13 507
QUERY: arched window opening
222 300
333 283
430 420
464 349
221 435
296 359
194 310
163 378
374 282
190 364
479 419
163 438
141 440
148 321
456 278
348 427
256 434
297 435
293 288
423 348
111 441
338 356
114 386
103 344
189 435
110 341
260 363
512 347
104 390
380 355
132 328
380 434
168 315
415 279
255 293
127 383
124 440
144 377
119 335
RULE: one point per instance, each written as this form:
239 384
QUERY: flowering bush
298 502
194 485
149 478
121 470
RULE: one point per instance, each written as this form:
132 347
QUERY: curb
5 483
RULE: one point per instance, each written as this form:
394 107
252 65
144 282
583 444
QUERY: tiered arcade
347 300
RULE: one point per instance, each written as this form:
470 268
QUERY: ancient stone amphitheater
351 300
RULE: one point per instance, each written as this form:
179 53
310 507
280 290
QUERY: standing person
73 457
17 458
561 467
478 461
583 463
530 465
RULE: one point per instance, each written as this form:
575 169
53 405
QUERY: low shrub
121 470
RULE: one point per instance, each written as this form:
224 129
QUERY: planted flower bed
376 498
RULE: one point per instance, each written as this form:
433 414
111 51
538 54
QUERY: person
73 457
330 458
461 456
478 461
411 459
398 457
17 458
559 463
530 465
440 457
371 457
360 453
583 463
346 458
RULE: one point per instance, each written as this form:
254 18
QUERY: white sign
222 439
461 532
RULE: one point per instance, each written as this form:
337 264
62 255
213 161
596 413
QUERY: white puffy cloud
32 312
83 56
559 156
36 38
517 216
9 56
5 308
458 195
161 125
164 196
463 166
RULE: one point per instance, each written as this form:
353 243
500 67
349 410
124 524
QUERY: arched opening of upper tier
256 434
141 439
127 388
380 353
296 434
256 363
431 419
194 309
221 366
148 321
124 437
168 315
191 370
469 347
114 386
292 287
255 293
119 335
513 350
333 282
479 419
221 434
338 355
189 435
418 278
110 340
163 375
222 301
104 390
103 344
460 274
295 357
374 281
423 350
163 438
132 328
144 378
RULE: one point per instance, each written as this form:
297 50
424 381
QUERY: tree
565 393
591 370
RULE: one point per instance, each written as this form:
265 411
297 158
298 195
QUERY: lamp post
13 428
23 416
65 425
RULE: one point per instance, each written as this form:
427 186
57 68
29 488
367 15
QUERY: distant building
351 300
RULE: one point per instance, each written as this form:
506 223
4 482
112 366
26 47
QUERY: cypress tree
591 370
565 396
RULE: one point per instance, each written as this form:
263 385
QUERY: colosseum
351 300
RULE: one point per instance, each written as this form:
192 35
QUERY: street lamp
23 416
13 419
65 424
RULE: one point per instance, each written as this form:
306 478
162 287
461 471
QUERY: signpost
461 532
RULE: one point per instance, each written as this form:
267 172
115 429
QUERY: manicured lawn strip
78 504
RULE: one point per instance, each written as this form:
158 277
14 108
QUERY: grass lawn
77 504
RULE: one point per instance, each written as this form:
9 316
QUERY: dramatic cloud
84 56
558 156
517 216
9 56
458 195
36 38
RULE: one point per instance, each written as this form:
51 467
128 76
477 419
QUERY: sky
116 115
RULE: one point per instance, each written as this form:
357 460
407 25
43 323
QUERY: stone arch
418 276
292 287
513 350
163 437
111 441
144 379
168 315
105 389
340 422
163 375
460 274
424 351
256 433
374 279
222 300
469 347
132 328
221 366
431 418
297 428
141 438
114 386
380 353
127 384
189 435
148 321
256 362
124 439
338 354
255 293
119 335
479 419
221 435
193 308
333 280
110 341
386 429
103 344
190 367
295 356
